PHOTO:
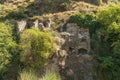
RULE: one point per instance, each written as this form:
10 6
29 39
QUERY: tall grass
50 75
28 75
31 75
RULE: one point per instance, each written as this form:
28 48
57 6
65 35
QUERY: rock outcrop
73 59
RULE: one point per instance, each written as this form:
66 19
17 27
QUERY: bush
78 18
83 20
16 14
109 15
116 49
98 2
86 21
36 47
7 44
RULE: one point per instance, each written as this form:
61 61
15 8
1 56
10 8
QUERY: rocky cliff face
77 64
72 59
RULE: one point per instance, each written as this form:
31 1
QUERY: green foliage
78 18
83 20
110 62
112 2
1 7
116 49
16 14
27 75
106 62
37 47
86 21
112 33
1 1
98 2
109 15
7 45
110 19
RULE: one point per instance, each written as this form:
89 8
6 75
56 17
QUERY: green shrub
116 49
36 47
111 24
112 2
98 2
109 15
7 44
86 21
78 18
1 7
16 14
83 20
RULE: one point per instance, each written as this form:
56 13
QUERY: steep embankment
72 59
